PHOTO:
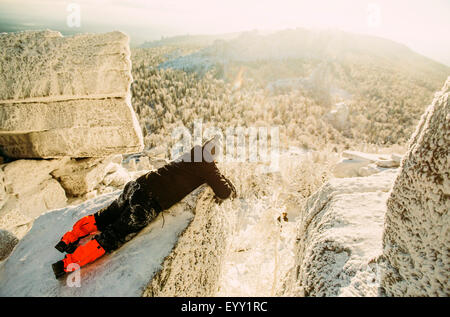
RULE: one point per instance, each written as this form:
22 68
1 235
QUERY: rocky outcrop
416 234
194 265
83 65
29 190
339 241
79 101
354 164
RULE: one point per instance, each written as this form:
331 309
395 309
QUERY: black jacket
172 182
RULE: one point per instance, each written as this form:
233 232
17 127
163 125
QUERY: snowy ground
125 272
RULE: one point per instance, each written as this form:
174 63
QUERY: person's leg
80 229
138 212
108 215
95 222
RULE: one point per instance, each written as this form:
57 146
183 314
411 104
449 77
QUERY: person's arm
222 187
233 189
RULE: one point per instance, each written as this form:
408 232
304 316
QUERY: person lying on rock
139 203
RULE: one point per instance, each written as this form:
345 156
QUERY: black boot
68 248
58 269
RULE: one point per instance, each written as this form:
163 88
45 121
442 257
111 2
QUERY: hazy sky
423 25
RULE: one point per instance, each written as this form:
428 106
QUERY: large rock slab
194 266
73 142
339 240
38 116
416 237
66 96
44 65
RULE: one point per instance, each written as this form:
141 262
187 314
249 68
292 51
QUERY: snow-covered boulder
339 239
349 167
66 96
193 268
369 170
350 163
416 236
22 175
354 164
80 176
82 65
118 178
29 190
7 243
184 252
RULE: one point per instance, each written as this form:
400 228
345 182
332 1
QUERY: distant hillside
291 78
190 40
316 45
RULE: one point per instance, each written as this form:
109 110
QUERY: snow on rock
67 138
416 236
369 170
22 175
77 90
81 66
118 178
354 164
194 266
349 167
83 175
124 272
7 243
340 238
397 158
29 190
356 155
